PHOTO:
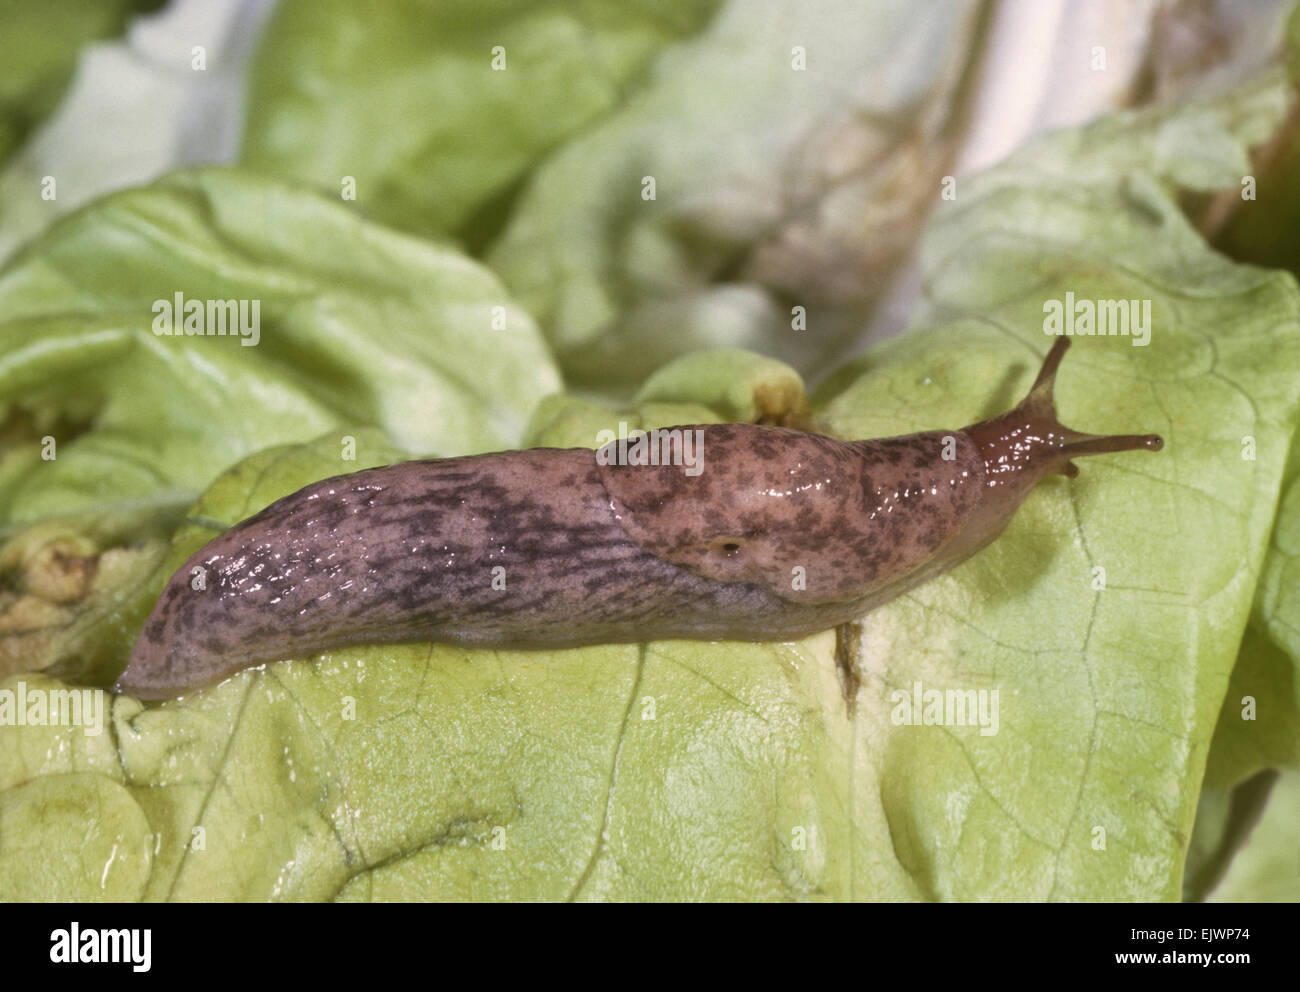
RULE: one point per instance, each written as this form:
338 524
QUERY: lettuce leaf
673 770
358 324
1259 725
1263 869
795 152
38 51
404 97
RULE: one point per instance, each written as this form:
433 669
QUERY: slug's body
780 535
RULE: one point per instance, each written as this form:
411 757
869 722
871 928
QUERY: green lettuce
437 109
789 172
1263 869
38 52
358 324
1259 725
1108 618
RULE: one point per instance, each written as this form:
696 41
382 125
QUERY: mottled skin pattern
856 517
597 553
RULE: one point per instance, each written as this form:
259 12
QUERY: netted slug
775 534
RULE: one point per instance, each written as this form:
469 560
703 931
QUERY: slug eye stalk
1032 437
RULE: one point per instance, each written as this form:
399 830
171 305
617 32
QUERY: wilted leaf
794 151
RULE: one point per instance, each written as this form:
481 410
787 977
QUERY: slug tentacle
763 534
1042 403
1030 441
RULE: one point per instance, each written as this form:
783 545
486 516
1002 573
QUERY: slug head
1023 445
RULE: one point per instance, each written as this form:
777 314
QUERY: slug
778 534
